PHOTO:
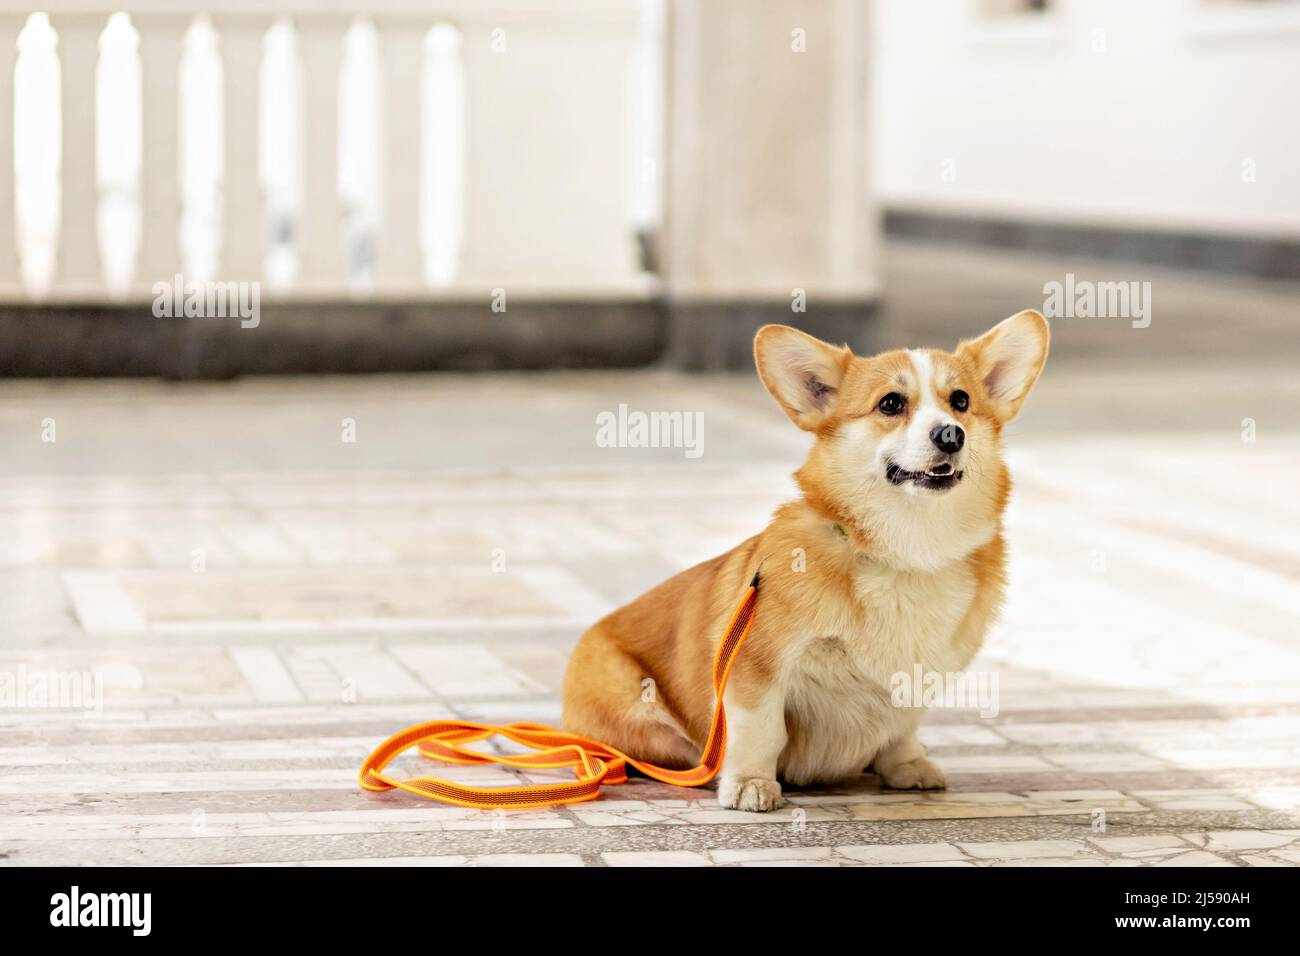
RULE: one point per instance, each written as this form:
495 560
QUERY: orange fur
858 575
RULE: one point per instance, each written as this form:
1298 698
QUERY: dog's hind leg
609 697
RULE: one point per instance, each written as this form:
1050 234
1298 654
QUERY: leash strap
592 762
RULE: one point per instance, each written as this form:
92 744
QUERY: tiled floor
256 602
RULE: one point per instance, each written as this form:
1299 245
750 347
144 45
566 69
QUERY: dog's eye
892 404
959 400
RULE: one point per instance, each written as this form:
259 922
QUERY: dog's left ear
802 373
1008 358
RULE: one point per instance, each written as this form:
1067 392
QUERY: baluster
161 38
243 227
78 48
320 243
401 53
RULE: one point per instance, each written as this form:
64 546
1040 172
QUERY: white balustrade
524 173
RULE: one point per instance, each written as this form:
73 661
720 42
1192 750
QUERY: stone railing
535 178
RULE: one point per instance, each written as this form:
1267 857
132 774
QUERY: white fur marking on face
925 373
918 451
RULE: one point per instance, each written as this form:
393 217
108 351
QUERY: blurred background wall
577 183
1160 115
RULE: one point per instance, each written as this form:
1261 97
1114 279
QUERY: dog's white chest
837 680
910 618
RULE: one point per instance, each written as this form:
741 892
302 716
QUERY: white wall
1144 114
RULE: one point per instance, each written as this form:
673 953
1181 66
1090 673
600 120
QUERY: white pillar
854 224
9 280
321 265
398 265
243 225
768 197
160 196
78 271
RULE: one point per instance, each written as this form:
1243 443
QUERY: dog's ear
1008 359
802 373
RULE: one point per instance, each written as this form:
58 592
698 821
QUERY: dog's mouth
938 477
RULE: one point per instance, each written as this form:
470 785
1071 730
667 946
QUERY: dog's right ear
802 373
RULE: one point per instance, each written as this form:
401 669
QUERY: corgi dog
892 557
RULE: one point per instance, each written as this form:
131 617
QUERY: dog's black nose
948 438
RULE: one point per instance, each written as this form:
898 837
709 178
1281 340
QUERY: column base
719 335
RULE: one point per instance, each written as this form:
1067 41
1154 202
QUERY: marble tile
350 673
464 671
1243 839
525 859
939 863
1276 798
1258 859
1023 849
394 861
1194 858
344 599
311 596
197 781
630 818
154 676
1037 861
1211 800
508 860
960 735
265 674
655 858
902 853
934 810
1106 762
1135 844
773 855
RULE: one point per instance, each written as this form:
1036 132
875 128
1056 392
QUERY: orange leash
592 762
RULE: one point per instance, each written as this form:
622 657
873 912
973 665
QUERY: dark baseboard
329 337
341 337
1261 258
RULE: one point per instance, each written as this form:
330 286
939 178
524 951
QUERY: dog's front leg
903 765
756 736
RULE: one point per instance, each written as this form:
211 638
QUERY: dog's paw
918 774
751 794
